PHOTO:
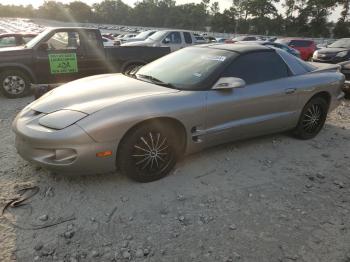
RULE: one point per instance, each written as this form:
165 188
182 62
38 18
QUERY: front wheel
148 152
14 83
312 118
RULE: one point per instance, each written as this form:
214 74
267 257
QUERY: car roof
239 48
19 34
174 30
297 39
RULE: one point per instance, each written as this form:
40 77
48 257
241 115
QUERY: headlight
61 119
315 54
342 54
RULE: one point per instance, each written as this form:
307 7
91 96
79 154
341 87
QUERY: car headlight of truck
342 54
61 119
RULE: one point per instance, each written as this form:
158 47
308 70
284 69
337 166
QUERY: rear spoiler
323 67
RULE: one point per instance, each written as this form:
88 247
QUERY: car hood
15 50
92 94
331 50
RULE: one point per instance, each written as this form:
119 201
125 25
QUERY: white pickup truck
168 38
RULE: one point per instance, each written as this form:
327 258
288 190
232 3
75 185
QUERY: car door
173 40
94 60
59 60
268 102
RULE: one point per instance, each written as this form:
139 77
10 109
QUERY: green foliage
300 17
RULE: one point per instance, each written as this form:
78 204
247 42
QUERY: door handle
290 91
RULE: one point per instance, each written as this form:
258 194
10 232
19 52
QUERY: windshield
157 36
341 43
144 35
187 69
282 41
38 38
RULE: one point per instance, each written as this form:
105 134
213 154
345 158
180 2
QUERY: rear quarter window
296 65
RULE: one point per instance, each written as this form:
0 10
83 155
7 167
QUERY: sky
223 4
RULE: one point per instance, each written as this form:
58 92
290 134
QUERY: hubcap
151 153
312 118
14 85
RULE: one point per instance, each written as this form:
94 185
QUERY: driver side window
258 67
174 37
64 41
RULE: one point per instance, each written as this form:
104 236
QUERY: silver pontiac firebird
143 122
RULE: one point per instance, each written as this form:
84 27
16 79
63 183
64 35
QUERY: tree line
309 18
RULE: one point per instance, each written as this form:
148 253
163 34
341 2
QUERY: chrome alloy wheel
14 85
151 153
312 119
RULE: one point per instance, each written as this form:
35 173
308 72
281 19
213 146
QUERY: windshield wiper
154 80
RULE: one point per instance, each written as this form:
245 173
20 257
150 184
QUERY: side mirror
226 83
166 40
43 46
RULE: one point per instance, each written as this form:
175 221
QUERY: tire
312 118
149 152
14 83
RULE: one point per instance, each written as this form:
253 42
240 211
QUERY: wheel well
3 69
325 95
176 124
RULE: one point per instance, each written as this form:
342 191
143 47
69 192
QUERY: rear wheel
14 83
312 118
148 152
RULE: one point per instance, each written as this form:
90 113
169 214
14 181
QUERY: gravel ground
269 199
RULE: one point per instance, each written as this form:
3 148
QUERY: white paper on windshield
214 58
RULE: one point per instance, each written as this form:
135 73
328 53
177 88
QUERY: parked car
210 39
60 55
334 53
173 39
304 46
345 69
140 37
200 39
125 38
220 40
242 38
108 42
15 39
286 48
197 97
110 36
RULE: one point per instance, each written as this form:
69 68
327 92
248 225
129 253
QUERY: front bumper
69 151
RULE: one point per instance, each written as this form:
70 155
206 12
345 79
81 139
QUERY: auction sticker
63 63
214 58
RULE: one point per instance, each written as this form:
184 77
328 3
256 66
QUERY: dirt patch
273 198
